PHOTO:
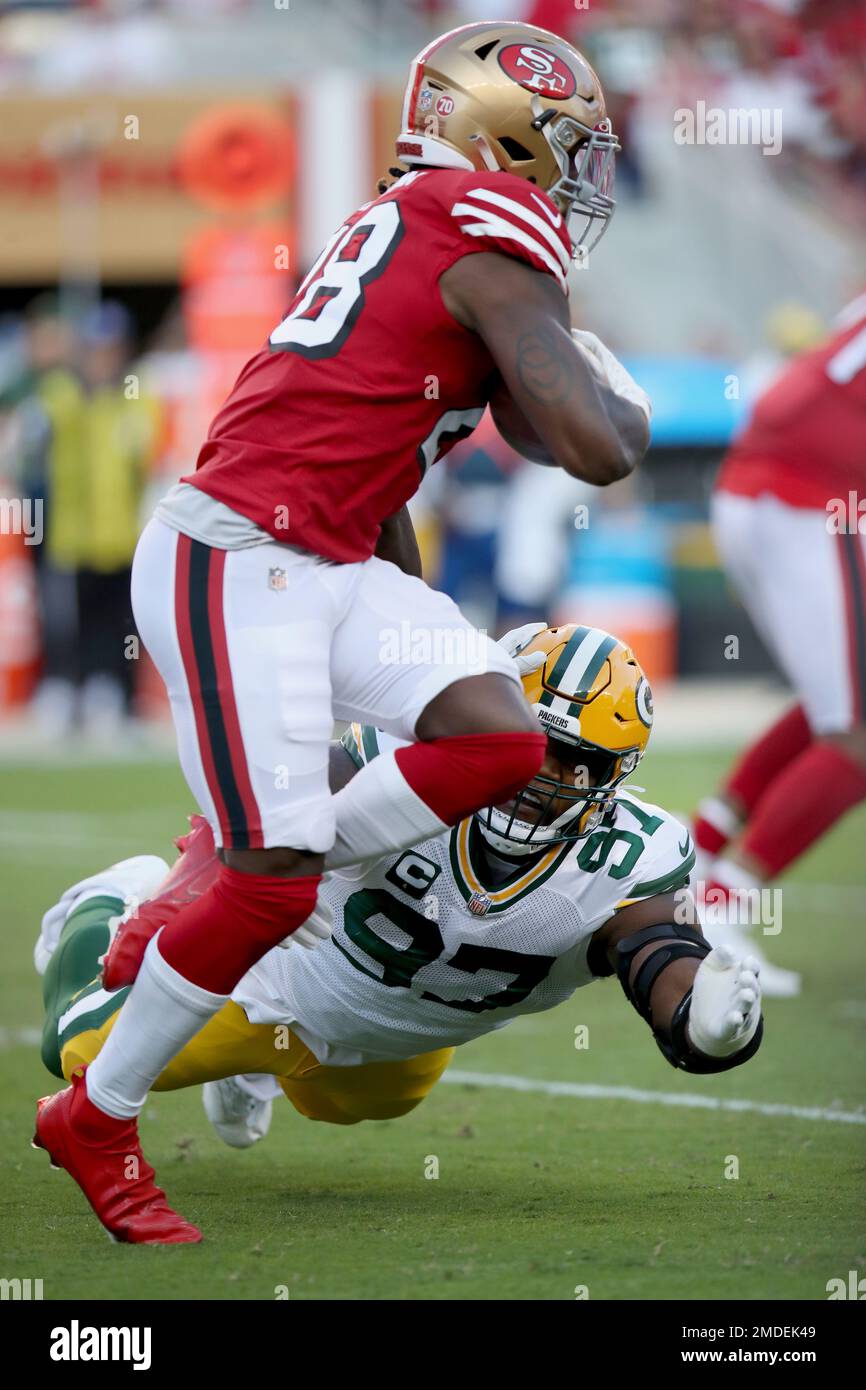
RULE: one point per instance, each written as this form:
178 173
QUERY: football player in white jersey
506 914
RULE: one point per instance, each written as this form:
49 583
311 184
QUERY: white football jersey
427 954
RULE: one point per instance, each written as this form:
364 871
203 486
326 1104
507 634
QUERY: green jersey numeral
400 965
597 848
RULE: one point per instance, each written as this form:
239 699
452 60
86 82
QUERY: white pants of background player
804 588
262 648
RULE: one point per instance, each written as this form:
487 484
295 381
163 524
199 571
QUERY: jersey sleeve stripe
515 209
349 741
370 741
676 878
499 230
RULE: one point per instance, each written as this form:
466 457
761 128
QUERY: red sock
766 758
458 775
801 803
216 939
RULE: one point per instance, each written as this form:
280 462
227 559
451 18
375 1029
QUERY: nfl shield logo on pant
277 579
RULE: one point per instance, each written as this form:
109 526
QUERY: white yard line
576 1090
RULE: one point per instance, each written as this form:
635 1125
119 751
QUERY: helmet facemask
532 822
585 156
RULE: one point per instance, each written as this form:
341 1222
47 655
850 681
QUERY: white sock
378 812
720 816
732 875
162 1012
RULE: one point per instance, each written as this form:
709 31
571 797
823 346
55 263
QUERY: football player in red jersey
789 517
277 586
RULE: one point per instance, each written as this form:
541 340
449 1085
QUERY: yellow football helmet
595 704
514 97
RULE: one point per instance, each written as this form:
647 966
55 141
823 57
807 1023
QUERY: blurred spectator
620 576
46 352
100 433
471 499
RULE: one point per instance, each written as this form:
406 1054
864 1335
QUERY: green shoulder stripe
675 878
370 739
350 744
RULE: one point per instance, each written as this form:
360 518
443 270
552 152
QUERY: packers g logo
538 70
644 702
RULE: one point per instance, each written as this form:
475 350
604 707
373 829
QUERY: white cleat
134 880
240 1108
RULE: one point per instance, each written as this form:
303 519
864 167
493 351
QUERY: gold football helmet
595 704
514 97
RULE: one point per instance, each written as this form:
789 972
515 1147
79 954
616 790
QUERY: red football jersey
368 380
806 440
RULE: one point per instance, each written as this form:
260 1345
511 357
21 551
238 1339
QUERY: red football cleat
104 1157
190 876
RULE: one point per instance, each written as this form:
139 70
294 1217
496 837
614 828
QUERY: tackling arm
522 316
703 1005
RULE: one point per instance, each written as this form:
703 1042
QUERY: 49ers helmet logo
539 70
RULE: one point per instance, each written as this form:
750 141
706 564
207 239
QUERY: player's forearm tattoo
543 369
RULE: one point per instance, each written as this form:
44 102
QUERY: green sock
74 966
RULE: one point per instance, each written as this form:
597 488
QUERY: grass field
537 1194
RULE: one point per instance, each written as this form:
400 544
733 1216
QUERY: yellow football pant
230 1045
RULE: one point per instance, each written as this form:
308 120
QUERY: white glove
318 928
134 880
518 638
610 370
726 1003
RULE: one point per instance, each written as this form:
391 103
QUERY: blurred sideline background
170 168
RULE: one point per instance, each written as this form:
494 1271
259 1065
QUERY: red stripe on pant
224 692
187 653
228 704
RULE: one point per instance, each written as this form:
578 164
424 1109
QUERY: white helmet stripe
410 93
578 664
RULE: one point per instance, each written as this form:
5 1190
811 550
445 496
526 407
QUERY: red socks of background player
716 823
791 789
801 804
767 756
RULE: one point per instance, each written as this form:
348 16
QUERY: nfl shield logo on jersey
277 579
480 904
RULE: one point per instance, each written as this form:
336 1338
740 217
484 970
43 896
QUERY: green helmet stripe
594 667
581 681
563 662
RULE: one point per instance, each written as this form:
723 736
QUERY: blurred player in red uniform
789 516
277 586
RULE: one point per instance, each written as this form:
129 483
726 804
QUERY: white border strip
577 1090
